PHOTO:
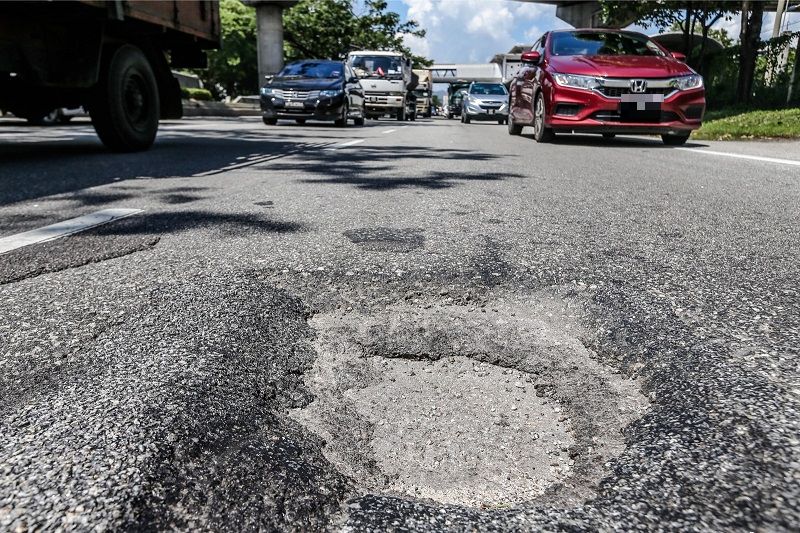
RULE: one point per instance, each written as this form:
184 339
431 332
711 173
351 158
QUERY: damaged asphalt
161 373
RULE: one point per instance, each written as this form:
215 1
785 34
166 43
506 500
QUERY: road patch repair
485 407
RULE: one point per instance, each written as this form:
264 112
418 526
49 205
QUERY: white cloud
472 31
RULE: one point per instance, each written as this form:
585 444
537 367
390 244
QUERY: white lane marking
389 131
64 228
401 127
793 162
348 143
251 161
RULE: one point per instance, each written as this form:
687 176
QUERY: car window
576 43
312 69
487 88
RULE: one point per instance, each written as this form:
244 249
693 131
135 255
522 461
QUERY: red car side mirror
679 56
533 57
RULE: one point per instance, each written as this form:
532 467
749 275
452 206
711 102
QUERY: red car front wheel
541 133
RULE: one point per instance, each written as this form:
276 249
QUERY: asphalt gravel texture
152 369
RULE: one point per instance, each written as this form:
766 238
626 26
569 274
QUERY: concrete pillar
269 18
269 27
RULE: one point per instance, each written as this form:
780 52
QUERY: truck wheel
401 115
125 108
269 121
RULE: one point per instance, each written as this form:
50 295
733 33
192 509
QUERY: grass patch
739 124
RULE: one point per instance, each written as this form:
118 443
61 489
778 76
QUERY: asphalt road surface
426 326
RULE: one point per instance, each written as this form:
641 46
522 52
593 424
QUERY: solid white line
389 131
62 229
793 162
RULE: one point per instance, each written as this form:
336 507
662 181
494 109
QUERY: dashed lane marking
64 228
792 162
389 131
254 159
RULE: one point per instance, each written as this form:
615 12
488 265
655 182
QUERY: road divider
792 162
64 228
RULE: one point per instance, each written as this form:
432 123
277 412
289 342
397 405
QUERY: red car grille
616 92
645 117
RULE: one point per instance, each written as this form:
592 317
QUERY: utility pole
794 79
776 26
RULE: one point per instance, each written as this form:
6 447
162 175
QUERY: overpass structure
464 72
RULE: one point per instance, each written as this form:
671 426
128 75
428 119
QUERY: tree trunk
749 40
686 29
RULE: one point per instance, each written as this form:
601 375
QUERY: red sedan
607 82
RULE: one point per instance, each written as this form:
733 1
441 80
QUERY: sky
472 31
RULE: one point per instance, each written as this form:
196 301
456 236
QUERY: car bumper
321 109
589 112
483 115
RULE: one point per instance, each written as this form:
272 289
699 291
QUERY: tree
233 69
749 43
329 29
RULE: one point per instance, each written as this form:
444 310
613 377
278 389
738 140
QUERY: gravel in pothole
380 239
463 406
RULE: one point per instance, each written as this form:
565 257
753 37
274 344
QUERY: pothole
482 407
380 239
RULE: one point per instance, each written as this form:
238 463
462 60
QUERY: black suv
313 89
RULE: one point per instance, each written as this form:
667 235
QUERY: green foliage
436 100
771 79
312 29
196 94
233 69
329 29
781 123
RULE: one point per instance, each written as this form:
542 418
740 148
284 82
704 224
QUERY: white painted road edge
62 229
793 162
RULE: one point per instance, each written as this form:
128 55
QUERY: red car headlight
577 82
684 83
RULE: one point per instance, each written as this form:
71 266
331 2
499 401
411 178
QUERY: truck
388 82
512 64
113 58
424 92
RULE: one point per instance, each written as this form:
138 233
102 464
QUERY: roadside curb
197 108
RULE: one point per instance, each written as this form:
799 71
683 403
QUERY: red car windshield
575 43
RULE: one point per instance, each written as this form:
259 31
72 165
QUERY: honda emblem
638 86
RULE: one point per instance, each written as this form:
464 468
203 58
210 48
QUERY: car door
528 85
355 93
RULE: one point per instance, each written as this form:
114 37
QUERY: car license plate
295 104
492 111
642 102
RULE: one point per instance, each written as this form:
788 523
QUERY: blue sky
472 31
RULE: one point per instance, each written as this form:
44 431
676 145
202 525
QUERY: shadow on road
376 168
74 160
622 141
